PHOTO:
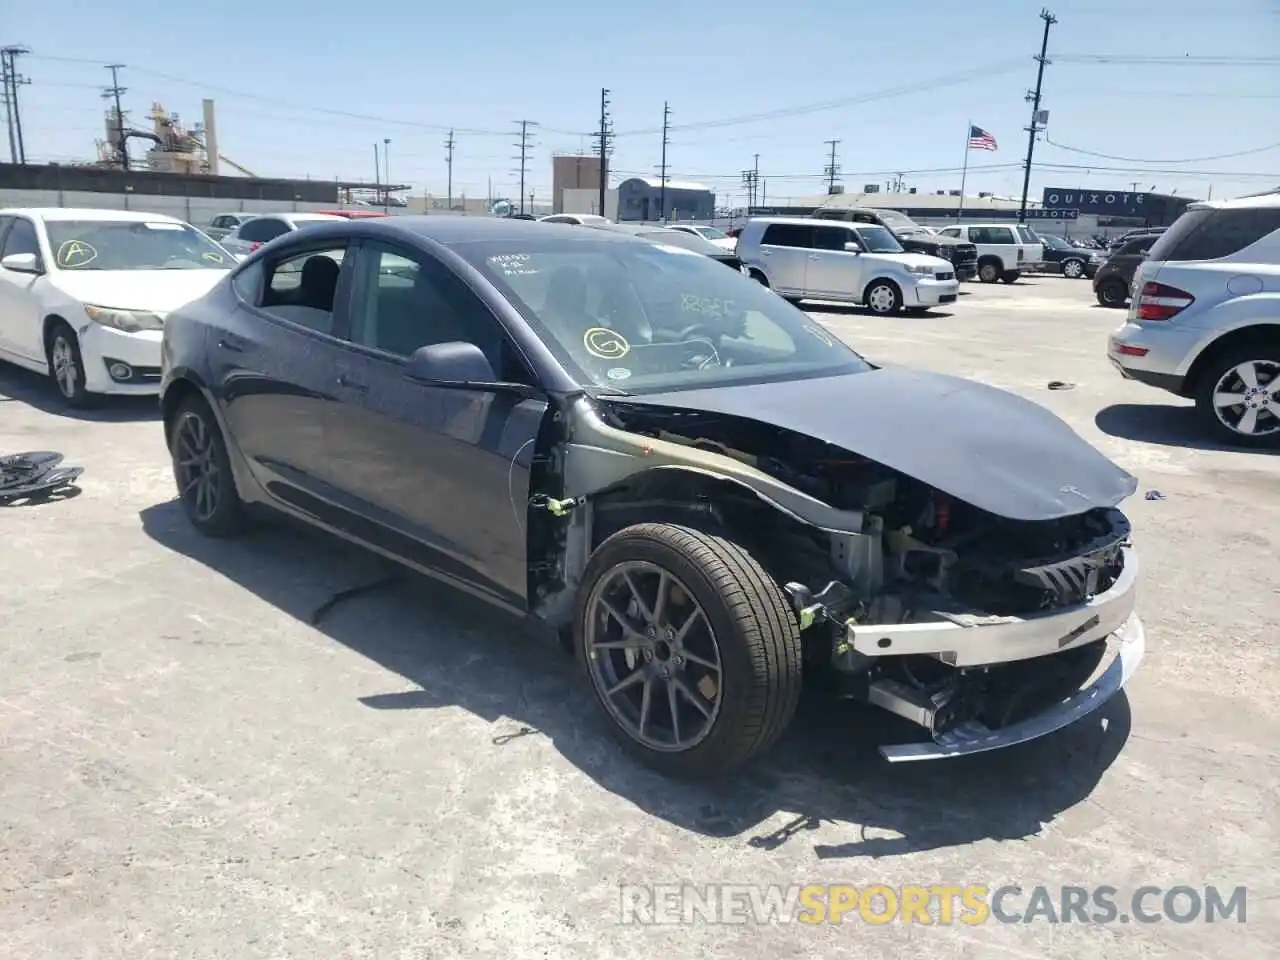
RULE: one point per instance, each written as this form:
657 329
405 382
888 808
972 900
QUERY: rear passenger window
832 238
787 235
999 235
263 229
302 288
1220 234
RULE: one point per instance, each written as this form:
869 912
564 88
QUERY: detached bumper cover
1129 647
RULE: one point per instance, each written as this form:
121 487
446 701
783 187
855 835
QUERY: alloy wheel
199 474
1246 398
1073 269
653 656
66 372
882 298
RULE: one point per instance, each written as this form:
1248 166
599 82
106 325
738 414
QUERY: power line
13 113
1220 156
1165 61
1034 96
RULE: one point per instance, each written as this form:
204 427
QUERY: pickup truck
913 237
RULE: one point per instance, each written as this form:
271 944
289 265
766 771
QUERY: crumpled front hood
982 445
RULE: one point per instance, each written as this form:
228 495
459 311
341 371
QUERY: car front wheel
66 365
989 271
1113 293
691 648
1239 397
1073 269
202 471
883 297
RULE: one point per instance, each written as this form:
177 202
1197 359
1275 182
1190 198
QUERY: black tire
755 634
66 365
227 517
989 270
1010 276
794 301
759 278
882 297
1073 269
1266 358
1112 293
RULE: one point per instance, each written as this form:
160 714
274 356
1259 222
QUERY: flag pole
968 129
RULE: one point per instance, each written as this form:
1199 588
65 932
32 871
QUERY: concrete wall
572 173
588 201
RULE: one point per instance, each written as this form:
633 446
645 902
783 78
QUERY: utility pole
662 181
604 147
448 162
832 169
14 80
8 106
386 168
524 155
1034 96
114 92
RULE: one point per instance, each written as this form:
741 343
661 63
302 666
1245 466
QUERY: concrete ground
190 769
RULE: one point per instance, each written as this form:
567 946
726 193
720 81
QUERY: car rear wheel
691 648
1113 293
883 297
1238 397
1009 276
202 471
1073 269
760 278
989 271
66 365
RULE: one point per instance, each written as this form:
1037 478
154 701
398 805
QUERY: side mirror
21 263
453 362
852 247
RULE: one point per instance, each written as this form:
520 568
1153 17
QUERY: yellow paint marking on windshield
75 253
605 343
213 257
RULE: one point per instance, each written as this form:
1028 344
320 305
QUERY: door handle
348 384
765 253
231 345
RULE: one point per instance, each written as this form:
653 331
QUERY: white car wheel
1241 394
883 297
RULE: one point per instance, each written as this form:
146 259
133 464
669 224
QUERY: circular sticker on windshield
605 343
213 257
75 253
618 373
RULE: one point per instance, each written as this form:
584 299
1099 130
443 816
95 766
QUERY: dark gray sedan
709 495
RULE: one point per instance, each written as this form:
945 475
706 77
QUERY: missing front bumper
1128 647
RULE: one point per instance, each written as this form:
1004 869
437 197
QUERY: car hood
157 291
915 260
985 446
937 238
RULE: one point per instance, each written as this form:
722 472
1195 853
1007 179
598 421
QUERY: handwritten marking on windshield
605 343
75 253
705 306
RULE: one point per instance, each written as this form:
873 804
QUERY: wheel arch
1267 332
179 386
883 278
51 320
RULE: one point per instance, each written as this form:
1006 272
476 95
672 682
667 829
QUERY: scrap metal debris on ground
1154 495
35 476
1061 385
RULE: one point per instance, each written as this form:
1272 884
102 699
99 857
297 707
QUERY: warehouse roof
896 200
656 183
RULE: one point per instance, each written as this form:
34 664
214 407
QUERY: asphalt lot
189 768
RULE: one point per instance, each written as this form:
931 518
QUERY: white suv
1204 317
1004 249
806 259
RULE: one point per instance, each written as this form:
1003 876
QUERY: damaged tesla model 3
708 494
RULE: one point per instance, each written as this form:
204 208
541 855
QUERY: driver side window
404 301
22 239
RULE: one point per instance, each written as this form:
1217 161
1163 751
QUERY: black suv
913 237
1112 281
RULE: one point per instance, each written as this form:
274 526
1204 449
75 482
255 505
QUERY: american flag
979 139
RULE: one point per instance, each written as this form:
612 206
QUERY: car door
833 271
20 313
274 359
1004 243
784 255
440 473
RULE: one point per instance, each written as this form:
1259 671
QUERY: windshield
898 221
685 241
1056 243
878 240
711 233
1027 235
133 245
643 317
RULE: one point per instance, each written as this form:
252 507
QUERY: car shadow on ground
38 391
850 309
1167 424
459 652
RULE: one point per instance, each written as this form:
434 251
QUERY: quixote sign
1114 202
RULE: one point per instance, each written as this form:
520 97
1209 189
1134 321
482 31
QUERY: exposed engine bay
921 556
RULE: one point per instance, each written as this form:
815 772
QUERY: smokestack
210 137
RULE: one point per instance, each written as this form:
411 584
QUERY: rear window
1213 234
1027 235
787 235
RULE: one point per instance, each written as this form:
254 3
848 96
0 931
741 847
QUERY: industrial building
646 198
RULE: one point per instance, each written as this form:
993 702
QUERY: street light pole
386 169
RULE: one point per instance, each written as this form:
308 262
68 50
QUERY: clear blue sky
413 69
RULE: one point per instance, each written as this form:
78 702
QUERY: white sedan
84 294
709 234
